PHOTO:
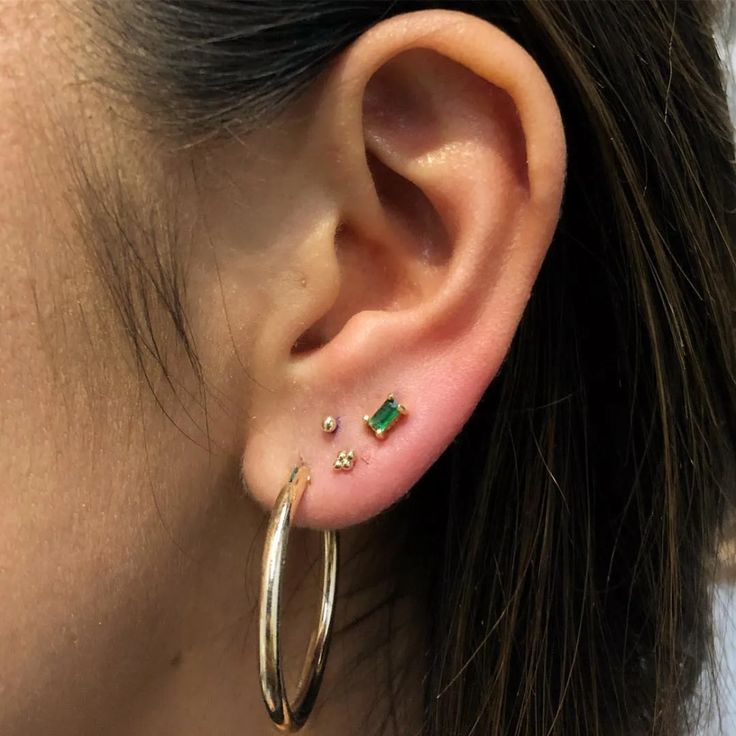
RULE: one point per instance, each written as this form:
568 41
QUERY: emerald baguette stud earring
385 416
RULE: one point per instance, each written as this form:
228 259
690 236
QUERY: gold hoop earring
286 716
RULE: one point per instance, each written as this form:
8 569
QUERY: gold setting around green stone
385 417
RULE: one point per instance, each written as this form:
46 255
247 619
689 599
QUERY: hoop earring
286 716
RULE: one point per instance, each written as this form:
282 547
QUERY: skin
130 535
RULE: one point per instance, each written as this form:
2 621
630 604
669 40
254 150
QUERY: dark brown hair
570 531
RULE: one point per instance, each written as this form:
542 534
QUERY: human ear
437 147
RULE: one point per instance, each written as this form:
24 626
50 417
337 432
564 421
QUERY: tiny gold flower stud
344 460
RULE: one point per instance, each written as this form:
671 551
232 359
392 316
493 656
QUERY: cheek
97 502
102 497
75 509
107 508
94 484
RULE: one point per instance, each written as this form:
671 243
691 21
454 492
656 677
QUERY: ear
438 146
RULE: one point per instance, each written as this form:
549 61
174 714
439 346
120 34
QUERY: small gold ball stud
329 424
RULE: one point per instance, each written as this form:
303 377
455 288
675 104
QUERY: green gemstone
385 416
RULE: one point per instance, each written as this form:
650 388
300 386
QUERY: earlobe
442 150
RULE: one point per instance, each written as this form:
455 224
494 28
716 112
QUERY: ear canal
389 275
372 278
